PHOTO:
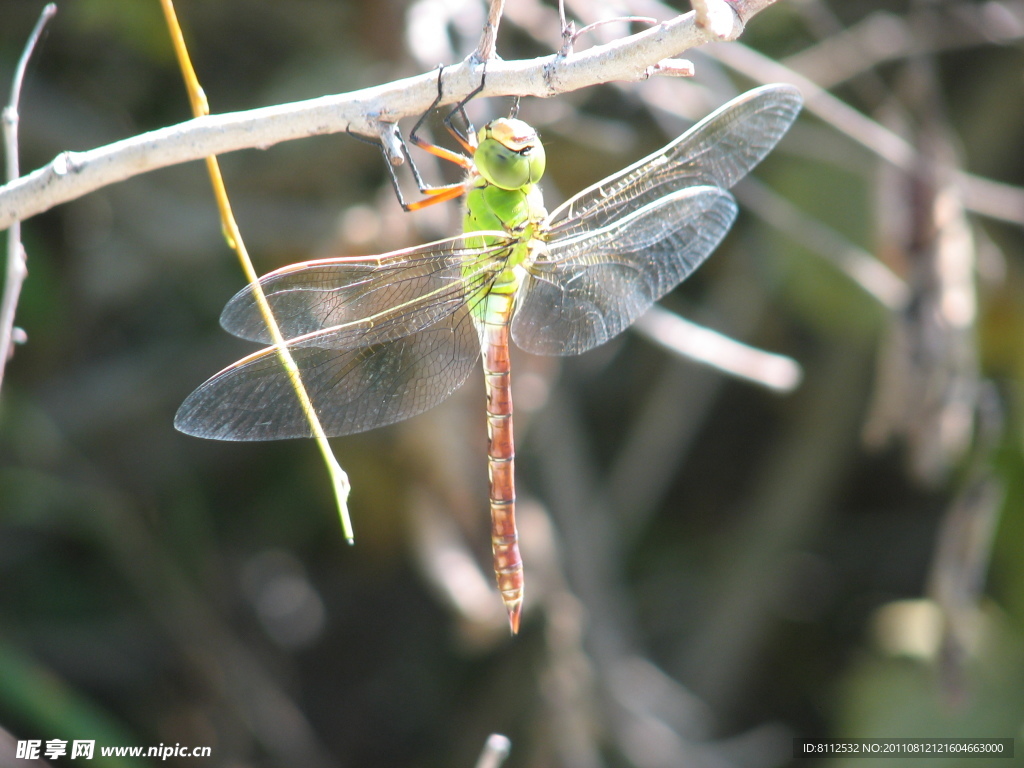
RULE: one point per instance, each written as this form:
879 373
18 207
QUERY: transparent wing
357 301
582 291
352 390
376 341
718 151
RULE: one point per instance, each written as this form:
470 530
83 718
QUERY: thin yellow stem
200 107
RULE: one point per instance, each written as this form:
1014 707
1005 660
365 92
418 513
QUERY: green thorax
504 196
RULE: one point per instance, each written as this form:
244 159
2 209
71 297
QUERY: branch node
65 163
568 38
570 34
550 69
718 17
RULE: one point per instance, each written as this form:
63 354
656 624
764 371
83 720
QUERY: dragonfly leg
432 194
435 194
468 139
434 149
414 136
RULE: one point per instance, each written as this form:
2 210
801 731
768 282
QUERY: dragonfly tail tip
514 611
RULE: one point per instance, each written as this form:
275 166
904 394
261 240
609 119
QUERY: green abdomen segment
508 564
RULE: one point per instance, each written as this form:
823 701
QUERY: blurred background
713 567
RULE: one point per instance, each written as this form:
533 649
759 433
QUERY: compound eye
510 154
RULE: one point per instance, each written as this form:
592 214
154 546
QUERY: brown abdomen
508 564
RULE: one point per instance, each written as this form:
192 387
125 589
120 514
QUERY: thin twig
703 345
73 174
495 751
616 20
17 268
487 49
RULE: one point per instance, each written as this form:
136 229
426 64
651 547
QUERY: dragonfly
379 339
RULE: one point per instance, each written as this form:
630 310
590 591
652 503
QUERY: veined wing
375 340
348 302
582 291
718 151
352 390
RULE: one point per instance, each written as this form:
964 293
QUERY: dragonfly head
509 154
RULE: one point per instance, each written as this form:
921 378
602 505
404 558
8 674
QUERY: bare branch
16 268
73 174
